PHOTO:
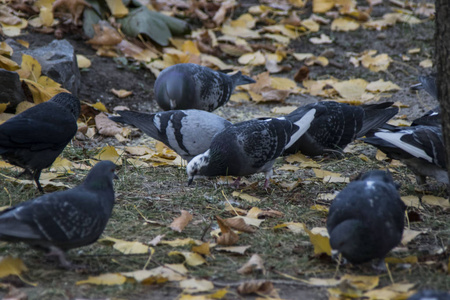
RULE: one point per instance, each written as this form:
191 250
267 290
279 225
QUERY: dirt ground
107 73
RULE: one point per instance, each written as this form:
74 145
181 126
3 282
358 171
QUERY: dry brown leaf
239 224
234 249
105 126
254 263
121 93
228 237
75 7
180 223
105 35
257 287
301 74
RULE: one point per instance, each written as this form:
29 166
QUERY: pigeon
34 138
421 148
366 219
191 86
248 147
430 295
335 125
427 83
63 220
187 132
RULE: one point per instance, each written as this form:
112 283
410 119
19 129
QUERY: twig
275 281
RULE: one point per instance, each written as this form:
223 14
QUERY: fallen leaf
167 272
196 285
360 282
192 259
320 239
125 246
105 126
121 93
412 201
257 287
104 279
245 197
324 39
436 201
83 62
228 236
344 24
382 86
117 8
181 242
409 235
180 223
254 263
403 260
109 153
238 223
233 249
293 226
203 249
11 266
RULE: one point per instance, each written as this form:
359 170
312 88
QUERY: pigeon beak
191 179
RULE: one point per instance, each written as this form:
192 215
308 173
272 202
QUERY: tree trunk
442 60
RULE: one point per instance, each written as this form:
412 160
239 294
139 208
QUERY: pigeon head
174 87
68 101
101 176
197 166
345 239
379 175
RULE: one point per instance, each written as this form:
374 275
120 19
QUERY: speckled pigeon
187 132
63 220
420 147
427 83
34 138
186 86
366 219
335 125
248 147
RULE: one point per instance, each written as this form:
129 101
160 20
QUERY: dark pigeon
427 83
419 147
191 86
366 219
430 295
248 147
187 132
335 125
63 220
34 138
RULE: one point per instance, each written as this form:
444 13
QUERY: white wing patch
304 123
394 138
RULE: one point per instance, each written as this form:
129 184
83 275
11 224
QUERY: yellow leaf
240 32
288 168
323 173
414 51
190 47
99 106
244 20
40 94
293 226
196 285
168 272
121 93
23 43
239 97
344 24
117 8
320 239
381 156
320 208
382 86
233 249
245 197
322 6
323 281
104 279
352 89
109 153
282 83
30 68
361 283
192 259
435 201
403 260
6 49
377 63
202 249
283 110
254 263
252 59
3 107
125 246
61 165
283 29
394 291
83 62
302 56
11 266
324 39
8 64
409 235
305 162
181 242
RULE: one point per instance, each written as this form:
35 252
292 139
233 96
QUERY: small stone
328 53
10 88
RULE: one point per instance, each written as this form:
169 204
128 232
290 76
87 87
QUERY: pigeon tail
142 121
375 116
239 79
303 125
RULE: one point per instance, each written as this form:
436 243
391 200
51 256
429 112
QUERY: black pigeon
427 83
366 219
191 86
34 138
421 148
63 220
335 125
187 132
430 295
248 147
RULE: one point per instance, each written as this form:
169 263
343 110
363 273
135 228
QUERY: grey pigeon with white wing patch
187 132
34 138
63 220
248 147
335 125
366 219
191 86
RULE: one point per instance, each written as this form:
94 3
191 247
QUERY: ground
160 193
